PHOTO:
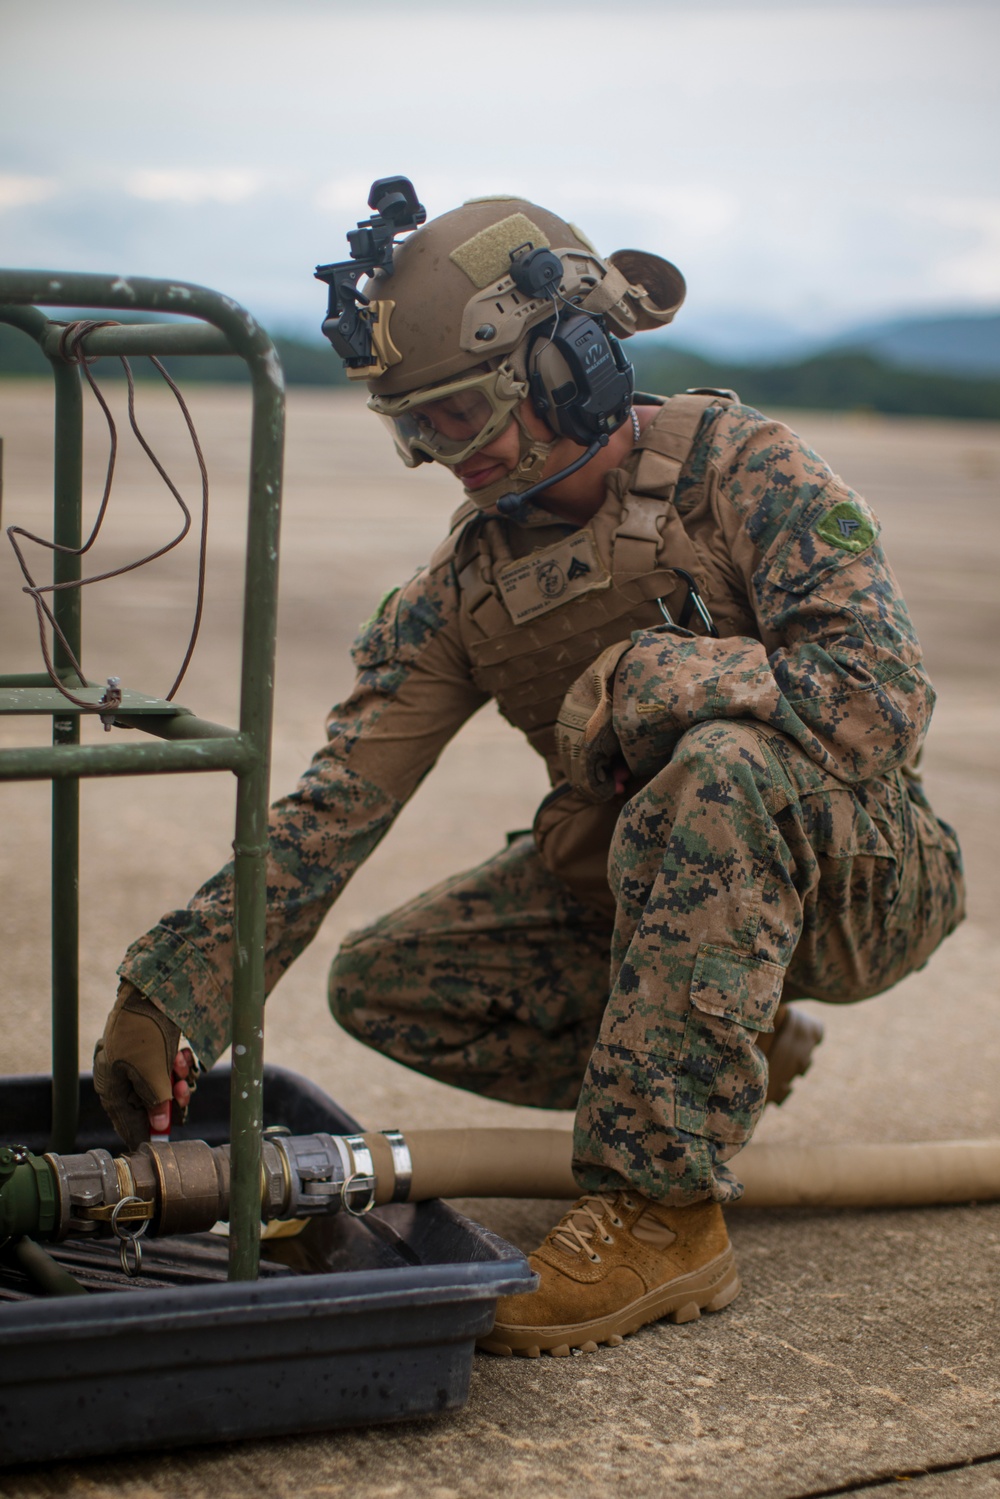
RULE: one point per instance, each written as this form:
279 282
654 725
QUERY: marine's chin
474 479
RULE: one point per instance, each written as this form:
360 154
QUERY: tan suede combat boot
789 1050
615 1262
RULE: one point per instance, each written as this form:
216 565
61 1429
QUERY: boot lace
589 1217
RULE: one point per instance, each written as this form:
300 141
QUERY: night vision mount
348 321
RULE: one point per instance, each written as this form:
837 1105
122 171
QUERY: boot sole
709 1289
791 1055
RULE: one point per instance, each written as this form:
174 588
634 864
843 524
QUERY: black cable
512 505
72 349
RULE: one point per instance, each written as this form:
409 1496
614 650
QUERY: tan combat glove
133 1063
585 736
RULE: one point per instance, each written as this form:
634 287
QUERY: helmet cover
450 327
449 304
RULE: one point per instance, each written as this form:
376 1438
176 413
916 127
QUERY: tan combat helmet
450 329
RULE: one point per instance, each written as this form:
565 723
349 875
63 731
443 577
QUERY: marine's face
453 421
503 454
459 417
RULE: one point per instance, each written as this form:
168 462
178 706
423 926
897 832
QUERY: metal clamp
361 1178
402 1165
128 1209
131 1264
111 701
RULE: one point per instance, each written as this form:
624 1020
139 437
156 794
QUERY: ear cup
580 381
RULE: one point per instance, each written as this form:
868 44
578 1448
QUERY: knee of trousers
724 765
732 748
353 987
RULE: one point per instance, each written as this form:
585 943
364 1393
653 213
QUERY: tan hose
537 1163
847 1176
480 1163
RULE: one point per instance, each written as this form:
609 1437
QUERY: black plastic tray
367 1320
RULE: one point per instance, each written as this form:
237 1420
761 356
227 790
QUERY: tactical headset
579 379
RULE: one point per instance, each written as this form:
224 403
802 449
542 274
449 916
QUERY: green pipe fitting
29 1203
42 1270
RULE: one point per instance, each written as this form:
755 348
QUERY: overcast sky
805 164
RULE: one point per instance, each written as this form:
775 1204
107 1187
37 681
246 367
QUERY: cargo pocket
848 844
926 858
895 894
723 1077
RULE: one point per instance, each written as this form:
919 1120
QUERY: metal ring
369 1182
118 1229
402 1164
125 1246
128 1239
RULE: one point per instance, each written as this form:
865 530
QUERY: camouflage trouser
741 871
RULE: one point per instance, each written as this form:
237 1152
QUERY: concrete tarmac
863 1351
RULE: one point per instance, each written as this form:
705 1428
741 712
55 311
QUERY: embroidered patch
847 526
534 585
379 609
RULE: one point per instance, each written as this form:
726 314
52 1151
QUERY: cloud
346 197
19 191
809 162
193 186
968 264
342 195
773 248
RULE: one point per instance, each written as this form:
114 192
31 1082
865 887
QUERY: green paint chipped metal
196 743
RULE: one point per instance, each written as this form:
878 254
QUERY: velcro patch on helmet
486 256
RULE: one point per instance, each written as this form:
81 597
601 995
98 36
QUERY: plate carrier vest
639 548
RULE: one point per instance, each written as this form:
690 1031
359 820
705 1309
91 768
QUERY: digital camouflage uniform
772 839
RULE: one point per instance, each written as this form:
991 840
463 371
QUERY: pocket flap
737 986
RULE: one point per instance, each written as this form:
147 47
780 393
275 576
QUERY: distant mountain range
920 366
838 380
951 343
958 345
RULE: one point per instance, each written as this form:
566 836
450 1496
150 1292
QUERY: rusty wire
71 348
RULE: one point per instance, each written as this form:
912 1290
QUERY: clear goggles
447 423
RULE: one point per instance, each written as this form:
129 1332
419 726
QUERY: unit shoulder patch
552 576
846 526
379 610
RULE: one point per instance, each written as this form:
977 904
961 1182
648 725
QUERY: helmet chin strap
525 476
513 505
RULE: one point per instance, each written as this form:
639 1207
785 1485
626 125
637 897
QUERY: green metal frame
187 743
